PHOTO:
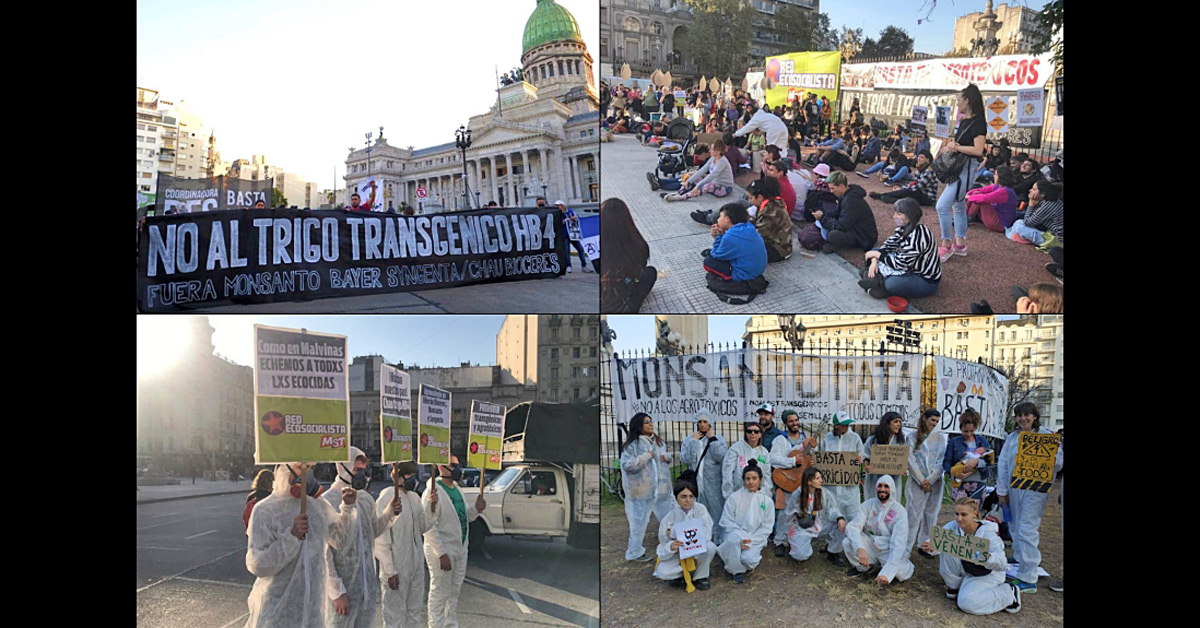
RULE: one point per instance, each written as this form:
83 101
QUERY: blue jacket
744 249
957 448
872 148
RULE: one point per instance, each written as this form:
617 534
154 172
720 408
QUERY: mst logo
333 442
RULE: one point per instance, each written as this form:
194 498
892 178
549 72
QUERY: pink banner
1007 73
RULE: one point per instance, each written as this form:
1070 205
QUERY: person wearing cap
704 453
351 583
878 536
574 235
841 502
782 449
400 551
766 419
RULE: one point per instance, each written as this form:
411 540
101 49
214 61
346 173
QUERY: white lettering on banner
676 387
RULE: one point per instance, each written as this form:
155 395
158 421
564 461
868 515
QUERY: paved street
823 283
191 571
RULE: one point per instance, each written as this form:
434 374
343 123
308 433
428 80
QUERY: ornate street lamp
462 139
793 330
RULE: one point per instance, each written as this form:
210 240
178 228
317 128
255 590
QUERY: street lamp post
462 139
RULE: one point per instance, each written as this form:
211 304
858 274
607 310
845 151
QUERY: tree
277 198
805 30
724 21
1051 21
870 48
894 42
330 196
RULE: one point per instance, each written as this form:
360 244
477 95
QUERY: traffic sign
421 193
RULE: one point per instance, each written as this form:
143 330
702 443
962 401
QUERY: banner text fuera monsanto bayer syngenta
395 416
301 396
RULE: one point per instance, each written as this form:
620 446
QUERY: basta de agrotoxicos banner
263 256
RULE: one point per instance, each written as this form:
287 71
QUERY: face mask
410 484
313 486
456 472
358 480
899 221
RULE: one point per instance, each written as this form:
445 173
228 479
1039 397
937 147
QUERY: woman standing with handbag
969 140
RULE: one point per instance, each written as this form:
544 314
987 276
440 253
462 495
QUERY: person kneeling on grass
687 510
978 589
851 224
907 264
714 177
771 220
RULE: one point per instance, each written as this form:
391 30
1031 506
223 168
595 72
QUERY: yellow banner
798 73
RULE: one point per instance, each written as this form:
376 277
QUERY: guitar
788 480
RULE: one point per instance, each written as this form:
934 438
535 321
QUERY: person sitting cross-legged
738 252
771 220
907 264
851 224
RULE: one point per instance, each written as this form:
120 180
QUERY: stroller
674 153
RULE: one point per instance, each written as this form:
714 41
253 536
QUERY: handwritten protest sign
301 396
838 468
889 459
395 419
1033 469
691 534
972 548
433 417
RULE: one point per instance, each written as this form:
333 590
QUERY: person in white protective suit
978 589
890 431
747 520
806 518
290 553
925 477
879 536
687 509
841 502
740 454
707 465
354 596
646 476
792 440
446 542
401 553
1026 506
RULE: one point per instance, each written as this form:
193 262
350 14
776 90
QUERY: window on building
553 373
575 352
592 352
553 394
554 354
576 393
554 333
575 333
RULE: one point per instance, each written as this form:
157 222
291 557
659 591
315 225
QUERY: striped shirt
914 254
1047 216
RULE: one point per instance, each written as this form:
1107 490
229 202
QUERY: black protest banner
187 196
264 256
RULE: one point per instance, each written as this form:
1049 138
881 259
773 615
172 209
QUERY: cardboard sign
889 459
486 436
838 468
301 396
1030 104
395 418
972 548
433 418
691 534
1033 469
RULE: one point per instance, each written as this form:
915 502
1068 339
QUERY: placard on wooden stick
972 548
889 459
838 468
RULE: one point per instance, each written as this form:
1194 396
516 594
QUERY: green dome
549 23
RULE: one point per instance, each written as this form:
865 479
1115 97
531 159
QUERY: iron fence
614 432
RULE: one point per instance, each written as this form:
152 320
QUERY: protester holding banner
879 536
746 523
1026 504
841 502
400 551
924 474
356 201
687 509
446 542
888 432
783 454
968 140
979 589
964 461
646 476
352 584
288 552
704 453
741 453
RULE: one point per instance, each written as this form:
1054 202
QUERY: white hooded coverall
840 501
731 470
709 477
747 516
647 482
445 536
925 463
872 478
400 551
291 588
1026 507
354 561
881 530
801 538
979 595
668 567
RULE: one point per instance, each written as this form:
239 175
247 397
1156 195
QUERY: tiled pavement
824 283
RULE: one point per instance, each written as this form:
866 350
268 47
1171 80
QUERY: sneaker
1017 292
877 293
981 307
568 268
1016 605
701 584
835 558
644 558
739 578
780 551
853 572
1057 586
1019 240
1023 587
952 594
863 175
588 270
924 553
700 216
705 252
959 250
654 186
828 247
1054 269
671 197
875 195
944 253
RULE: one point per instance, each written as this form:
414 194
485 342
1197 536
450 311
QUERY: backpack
810 238
949 166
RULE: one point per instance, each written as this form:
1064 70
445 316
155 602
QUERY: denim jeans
1029 233
900 176
879 166
948 203
910 286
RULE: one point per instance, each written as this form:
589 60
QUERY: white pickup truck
550 485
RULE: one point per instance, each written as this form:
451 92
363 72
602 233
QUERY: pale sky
300 81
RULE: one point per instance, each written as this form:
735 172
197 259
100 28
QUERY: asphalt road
191 572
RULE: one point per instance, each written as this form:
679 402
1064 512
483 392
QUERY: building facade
170 139
558 354
538 140
1015 29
